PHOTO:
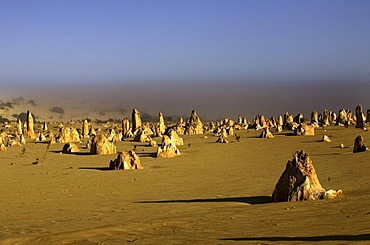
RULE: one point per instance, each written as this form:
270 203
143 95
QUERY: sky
224 57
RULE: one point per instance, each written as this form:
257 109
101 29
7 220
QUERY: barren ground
211 194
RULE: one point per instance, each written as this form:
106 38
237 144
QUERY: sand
211 194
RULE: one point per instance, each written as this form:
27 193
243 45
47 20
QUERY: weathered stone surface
305 130
342 117
299 182
100 145
266 134
314 118
29 125
359 117
359 145
222 139
161 126
126 131
325 138
126 160
85 129
194 125
136 120
175 138
67 135
70 148
143 134
167 149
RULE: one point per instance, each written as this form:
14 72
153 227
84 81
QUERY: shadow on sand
248 200
96 168
147 154
80 153
362 237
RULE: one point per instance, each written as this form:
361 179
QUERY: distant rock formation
100 145
29 124
85 129
359 145
266 134
143 134
325 138
40 137
70 148
161 126
194 125
359 117
222 139
3 147
67 135
305 130
299 182
175 138
44 126
342 118
314 118
126 160
136 121
168 148
19 127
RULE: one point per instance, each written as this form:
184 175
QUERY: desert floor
211 194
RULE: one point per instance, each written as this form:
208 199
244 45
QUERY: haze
223 58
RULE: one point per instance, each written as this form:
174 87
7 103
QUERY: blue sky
183 41
257 43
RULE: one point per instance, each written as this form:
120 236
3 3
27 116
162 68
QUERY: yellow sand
211 194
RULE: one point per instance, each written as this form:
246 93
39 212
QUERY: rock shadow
96 168
362 237
253 200
147 154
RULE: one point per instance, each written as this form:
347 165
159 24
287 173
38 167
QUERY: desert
184 122
211 193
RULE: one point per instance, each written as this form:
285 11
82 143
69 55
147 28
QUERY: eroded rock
300 182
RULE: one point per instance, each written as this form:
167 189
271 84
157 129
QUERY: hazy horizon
212 101
222 58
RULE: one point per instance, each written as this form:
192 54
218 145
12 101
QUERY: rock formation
100 145
29 124
266 134
136 121
126 160
359 145
359 117
161 126
299 118
126 131
342 117
70 148
325 138
19 127
222 139
194 125
44 126
3 147
368 116
314 118
85 129
143 134
304 130
175 138
299 182
167 149
40 137
67 135
280 124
